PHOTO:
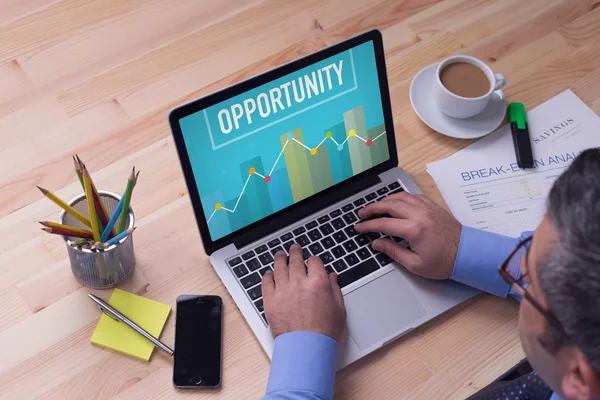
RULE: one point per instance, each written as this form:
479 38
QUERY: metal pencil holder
100 269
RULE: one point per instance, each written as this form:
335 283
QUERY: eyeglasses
520 253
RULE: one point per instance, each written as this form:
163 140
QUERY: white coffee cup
464 107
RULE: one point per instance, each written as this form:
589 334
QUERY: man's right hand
433 233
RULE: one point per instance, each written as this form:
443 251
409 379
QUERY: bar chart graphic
300 170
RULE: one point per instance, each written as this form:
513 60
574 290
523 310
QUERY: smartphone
198 342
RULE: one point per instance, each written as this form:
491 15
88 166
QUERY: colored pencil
98 204
127 196
90 203
112 220
99 209
116 213
79 242
68 232
78 171
65 207
120 236
50 224
79 165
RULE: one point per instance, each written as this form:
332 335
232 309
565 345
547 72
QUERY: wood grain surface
98 78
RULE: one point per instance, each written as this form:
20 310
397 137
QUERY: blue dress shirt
303 366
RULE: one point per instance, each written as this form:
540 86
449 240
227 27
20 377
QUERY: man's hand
432 232
295 301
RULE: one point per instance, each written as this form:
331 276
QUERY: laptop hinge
311 207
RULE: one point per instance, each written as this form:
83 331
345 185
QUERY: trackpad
380 309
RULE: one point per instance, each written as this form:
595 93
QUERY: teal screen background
276 161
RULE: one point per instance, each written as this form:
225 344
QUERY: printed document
485 188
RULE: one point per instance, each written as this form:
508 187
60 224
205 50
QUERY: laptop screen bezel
314 203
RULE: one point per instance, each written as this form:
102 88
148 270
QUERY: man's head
563 275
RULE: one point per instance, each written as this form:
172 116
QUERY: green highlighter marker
520 133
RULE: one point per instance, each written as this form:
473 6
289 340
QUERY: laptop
291 156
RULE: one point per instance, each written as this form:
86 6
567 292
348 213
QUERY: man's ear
580 381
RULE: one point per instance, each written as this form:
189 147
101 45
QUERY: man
557 271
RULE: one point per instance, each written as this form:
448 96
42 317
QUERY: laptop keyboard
331 237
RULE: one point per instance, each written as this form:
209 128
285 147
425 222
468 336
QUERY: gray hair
570 274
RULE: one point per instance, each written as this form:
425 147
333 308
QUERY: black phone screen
198 341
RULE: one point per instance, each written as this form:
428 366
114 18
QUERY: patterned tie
527 387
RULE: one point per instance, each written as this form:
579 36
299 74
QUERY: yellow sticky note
148 314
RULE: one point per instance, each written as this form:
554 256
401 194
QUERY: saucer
469 128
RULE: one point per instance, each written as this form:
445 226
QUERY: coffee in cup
465 79
464 85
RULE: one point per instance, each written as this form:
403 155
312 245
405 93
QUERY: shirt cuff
303 361
479 256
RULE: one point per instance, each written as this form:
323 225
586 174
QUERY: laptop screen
268 148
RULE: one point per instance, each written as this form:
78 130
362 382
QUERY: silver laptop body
383 300
381 307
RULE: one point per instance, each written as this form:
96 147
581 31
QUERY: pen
520 133
117 316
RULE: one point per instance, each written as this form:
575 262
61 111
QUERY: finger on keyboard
388 226
296 264
397 209
268 285
315 267
281 267
406 197
396 252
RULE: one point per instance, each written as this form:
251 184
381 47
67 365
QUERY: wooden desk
98 77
